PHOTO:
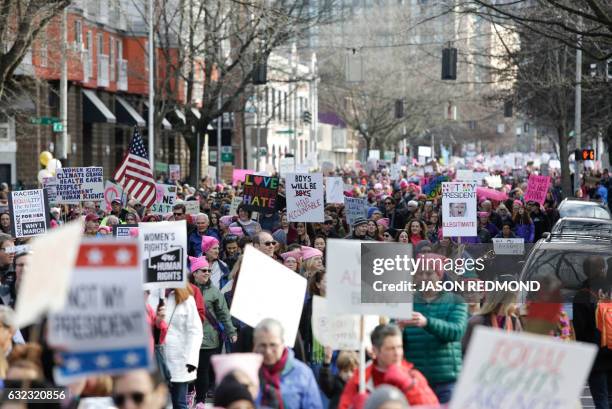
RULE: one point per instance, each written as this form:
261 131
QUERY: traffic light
449 64
307 117
260 73
584 154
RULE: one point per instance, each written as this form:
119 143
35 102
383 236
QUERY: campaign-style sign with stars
102 328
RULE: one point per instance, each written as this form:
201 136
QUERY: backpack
603 321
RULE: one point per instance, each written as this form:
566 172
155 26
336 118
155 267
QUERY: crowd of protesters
411 362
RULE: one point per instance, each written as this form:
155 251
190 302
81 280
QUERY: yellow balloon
44 157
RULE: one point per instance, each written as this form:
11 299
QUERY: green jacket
435 350
217 307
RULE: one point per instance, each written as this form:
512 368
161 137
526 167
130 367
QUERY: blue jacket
299 388
194 242
603 192
525 231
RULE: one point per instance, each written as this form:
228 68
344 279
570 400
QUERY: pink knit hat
249 363
518 203
197 263
310 252
483 214
226 220
237 231
296 254
403 184
208 242
383 222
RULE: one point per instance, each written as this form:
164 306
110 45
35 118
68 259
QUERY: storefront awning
94 109
126 114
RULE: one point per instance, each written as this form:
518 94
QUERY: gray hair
383 331
270 325
204 215
258 238
4 237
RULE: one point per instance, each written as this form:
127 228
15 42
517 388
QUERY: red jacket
163 326
199 300
417 393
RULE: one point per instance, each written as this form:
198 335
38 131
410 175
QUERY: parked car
583 208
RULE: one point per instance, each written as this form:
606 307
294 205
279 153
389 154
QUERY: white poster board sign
50 185
494 181
175 172
163 248
343 272
459 209
509 246
236 200
165 198
29 211
424 151
374 154
395 171
305 197
480 177
334 190
355 207
192 206
267 289
504 370
465 174
102 328
302 168
339 332
78 185
287 165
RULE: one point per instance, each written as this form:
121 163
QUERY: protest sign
102 329
165 198
267 289
113 191
238 175
287 165
50 185
175 172
355 207
537 187
374 154
236 200
302 168
212 173
80 184
333 190
53 257
424 151
464 174
305 197
509 246
395 171
343 274
29 210
23 248
259 193
192 206
554 164
339 332
459 209
494 181
163 248
125 230
434 187
508 370
480 177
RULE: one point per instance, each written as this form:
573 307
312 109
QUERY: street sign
226 149
58 127
44 120
161 167
285 132
227 157
212 156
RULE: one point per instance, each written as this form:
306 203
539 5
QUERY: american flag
135 175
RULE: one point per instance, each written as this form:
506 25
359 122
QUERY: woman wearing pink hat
292 260
220 271
312 261
244 221
216 328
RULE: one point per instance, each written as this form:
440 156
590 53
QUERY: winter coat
525 231
331 385
298 386
217 308
540 224
419 394
435 349
183 338
220 273
194 243
584 307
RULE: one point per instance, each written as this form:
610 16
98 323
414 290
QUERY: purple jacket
526 231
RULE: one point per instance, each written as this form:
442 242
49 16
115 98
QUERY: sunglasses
136 397
270 243
329 222
205 270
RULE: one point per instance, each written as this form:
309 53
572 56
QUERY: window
78 34
266 103
285 116
100 43
273 103
112 59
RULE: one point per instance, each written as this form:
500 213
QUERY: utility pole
63 145
151 119
220 118
292 95
578 111
257 124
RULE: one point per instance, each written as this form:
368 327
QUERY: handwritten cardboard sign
80 184
305 197
537 187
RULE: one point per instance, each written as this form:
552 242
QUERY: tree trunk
566 181
368 142
194 157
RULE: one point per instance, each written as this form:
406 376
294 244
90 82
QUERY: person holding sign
217 326
183 341
389 368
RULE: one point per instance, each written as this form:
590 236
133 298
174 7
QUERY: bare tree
20 23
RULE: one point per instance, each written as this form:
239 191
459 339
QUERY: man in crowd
264 242
179 212
328 228
397 218
286 382
195 238
360 230
389 367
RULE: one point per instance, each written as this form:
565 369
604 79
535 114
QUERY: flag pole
151 121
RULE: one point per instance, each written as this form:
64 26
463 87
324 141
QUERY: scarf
271 382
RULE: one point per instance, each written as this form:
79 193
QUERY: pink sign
537 187
238 175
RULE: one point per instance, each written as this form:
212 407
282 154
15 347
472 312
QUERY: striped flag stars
135 174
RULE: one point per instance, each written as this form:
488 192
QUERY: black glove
190 368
